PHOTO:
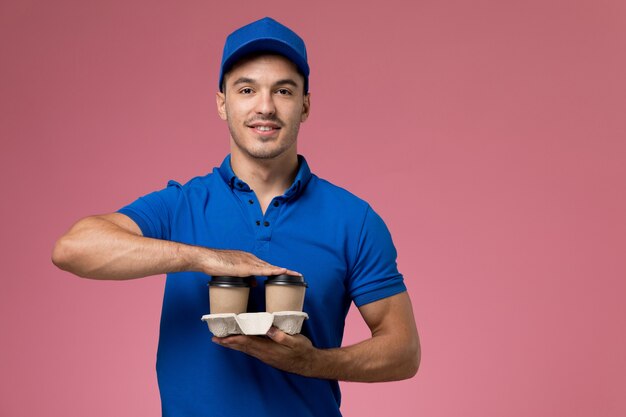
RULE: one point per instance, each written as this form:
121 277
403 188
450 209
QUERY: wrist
318 364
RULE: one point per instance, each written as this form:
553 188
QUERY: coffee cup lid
228 281
285 279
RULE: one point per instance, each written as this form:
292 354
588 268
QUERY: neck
267 177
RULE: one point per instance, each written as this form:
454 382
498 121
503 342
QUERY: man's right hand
240 264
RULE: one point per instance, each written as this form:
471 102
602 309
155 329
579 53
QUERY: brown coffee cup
284 293
229 294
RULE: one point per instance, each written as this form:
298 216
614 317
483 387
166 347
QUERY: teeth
264 128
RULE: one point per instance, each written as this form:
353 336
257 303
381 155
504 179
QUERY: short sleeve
153 212
375 272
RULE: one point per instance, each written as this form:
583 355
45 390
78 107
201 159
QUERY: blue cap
265 35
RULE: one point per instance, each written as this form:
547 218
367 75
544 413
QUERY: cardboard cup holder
226 324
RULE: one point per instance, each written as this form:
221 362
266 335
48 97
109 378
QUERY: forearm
392 353
111 247
381 358
98 248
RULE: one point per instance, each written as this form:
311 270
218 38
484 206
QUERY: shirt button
276 203
266 224
250 201
258 222
240 184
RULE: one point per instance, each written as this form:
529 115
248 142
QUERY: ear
306 107
220 100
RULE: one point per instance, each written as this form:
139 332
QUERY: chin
261 154
265 152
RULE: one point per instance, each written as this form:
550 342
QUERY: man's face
264 104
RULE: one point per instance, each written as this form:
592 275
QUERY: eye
283 92
246 90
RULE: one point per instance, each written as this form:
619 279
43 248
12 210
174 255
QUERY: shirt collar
302 178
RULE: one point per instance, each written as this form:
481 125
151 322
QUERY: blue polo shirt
340 245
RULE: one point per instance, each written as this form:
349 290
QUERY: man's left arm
392 353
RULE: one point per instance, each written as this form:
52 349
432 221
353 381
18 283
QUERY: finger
279 270
271 270
243 343
230 340
227 340
280 337
233 342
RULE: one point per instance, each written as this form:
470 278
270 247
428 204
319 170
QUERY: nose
265 104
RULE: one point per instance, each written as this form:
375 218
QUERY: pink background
490 135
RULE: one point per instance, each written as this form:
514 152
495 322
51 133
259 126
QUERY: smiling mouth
264 128
264 125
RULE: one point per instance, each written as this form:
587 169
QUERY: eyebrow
285 81
243 80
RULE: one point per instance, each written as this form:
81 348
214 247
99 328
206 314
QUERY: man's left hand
289 353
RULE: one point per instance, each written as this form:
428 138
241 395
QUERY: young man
262 212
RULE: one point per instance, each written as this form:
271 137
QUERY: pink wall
489 134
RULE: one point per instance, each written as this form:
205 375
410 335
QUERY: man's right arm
111 246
